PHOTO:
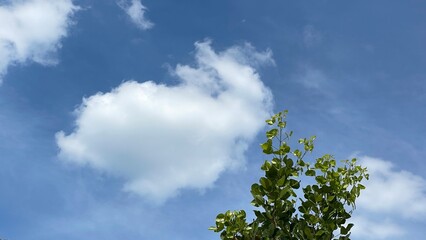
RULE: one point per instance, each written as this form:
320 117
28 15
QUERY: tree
288 209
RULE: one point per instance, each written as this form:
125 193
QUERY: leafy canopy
317 211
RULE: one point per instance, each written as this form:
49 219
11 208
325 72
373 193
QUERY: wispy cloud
311 36
136 12
314 79
394 195
164 138
32 30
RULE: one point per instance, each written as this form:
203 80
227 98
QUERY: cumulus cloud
31 30
394 195
162 138
136 11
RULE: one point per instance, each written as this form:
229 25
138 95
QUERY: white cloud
390 199
164 138
31 30
390 191
365 228
136 12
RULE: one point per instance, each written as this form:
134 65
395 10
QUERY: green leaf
267 147
270 121
310 172
266 183
266 165
318 198
321 179
308 233
345 230
255 189
294 184
285 193
297 153
282 124
272 133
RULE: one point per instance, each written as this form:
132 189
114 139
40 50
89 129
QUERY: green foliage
283 210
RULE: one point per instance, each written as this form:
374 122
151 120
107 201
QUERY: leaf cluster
288 209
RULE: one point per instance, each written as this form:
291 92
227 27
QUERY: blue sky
142 120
